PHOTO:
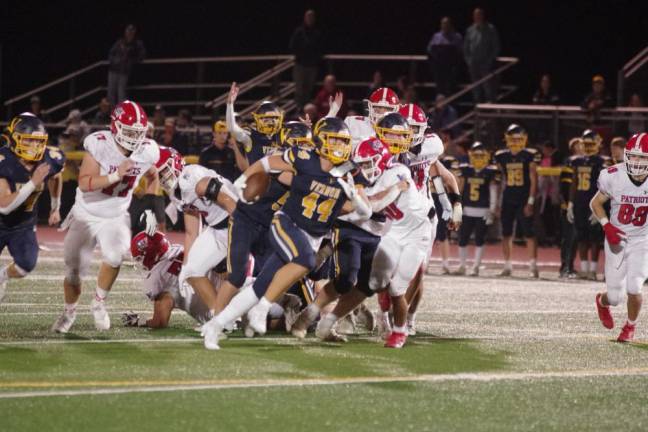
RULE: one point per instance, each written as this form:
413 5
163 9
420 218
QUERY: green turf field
492 354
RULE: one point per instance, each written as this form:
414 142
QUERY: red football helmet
169 166
128 124
417 120
149 250
382 101
635 155
373 158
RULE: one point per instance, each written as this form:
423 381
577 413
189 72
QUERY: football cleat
627 333
474 272
258 319
604 313
461 271
411 327
334 336
535 274
211 331
445 270
291 304
300 326
324 328
64 322
100 314
506 272
396 340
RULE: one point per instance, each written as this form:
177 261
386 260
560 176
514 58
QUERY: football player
520 180
113 164
204 198
626 233
568 234
162 262
356 240
382 101
586 170
27 163
260 140
451 164
479 184
317 197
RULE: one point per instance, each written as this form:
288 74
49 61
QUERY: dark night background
572 40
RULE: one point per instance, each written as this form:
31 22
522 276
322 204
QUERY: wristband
265 163
55 203
604 221
531 200
113 177
454 197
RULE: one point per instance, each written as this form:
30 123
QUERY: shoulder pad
501 151
493 167
531 150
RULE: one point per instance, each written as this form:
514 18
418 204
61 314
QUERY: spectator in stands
402 84
441 115
445 56
306 44
325 95
102 117
126 52
545 94
481 48
224 155
376 82
637 122
75 125
596 100
410 95
617 149
187 132
171 137
159 117
185 119
36 108
309 110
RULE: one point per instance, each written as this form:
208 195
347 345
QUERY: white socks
240 304
533 263
592 266
311 312
479 253
276 311
100 294
508 265
463 255
70 308
401 329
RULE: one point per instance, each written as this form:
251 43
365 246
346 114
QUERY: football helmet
417 120
169 166
149 250
591 142
268 118
382 101
372 157
516 138
295 133
635 155
27 137
479 156
128 124
333 140
394 130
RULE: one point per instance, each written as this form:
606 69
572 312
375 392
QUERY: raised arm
237 132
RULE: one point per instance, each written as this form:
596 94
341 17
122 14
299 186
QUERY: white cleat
257 319
324 329
411 328
100 314
384 325
211 331
292 306
64 322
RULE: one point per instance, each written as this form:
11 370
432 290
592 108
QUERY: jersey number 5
324 209
629 214
120 188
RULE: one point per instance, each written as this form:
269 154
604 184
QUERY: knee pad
614 296
73 277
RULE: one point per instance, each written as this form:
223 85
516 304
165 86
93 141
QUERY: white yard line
154 387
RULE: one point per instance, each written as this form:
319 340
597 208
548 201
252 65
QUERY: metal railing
268 78
629 69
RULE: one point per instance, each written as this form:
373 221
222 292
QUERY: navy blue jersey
566 178
316 198
451 163
516 170
17 175
261 146
263 210
586 170
476 190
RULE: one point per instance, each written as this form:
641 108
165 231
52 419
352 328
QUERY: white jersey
408 212
419 164
211 212
114 200
628 201
360 128
163 278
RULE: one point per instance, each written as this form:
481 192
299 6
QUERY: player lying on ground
114 162
26 165
626 233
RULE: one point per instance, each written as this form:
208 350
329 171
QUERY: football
257 186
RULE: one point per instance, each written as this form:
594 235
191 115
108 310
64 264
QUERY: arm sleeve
239 134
